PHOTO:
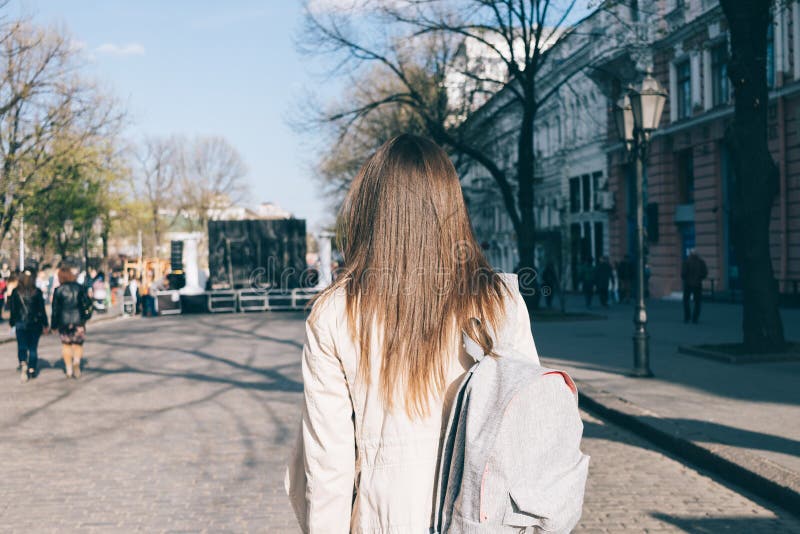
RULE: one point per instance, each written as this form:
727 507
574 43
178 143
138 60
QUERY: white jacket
356 467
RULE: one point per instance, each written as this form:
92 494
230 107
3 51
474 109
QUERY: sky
204 67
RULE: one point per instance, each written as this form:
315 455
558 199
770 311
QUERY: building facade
584 181
573 201
689 172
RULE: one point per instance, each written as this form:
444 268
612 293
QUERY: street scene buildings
584 206
187 238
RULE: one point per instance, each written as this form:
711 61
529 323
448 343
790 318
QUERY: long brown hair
412 267
27 284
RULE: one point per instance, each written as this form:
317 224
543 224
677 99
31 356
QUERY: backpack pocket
554 504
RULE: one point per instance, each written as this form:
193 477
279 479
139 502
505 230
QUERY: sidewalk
742 421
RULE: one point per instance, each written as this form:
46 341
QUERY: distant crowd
71 296
615 283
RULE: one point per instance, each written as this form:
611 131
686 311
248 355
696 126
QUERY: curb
757 475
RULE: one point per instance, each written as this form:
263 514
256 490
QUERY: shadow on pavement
727 435
715 525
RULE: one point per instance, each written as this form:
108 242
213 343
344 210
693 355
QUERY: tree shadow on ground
605 346
707 431
717 525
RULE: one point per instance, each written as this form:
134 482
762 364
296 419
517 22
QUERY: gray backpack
511 459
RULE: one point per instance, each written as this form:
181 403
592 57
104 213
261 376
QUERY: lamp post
69 228
636 115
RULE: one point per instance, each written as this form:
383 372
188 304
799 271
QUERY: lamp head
647 104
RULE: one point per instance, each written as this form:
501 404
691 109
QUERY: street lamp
97 225
637 115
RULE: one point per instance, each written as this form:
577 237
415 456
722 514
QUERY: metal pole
85 251
641 349
22 238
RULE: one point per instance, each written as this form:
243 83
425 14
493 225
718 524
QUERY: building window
719 75
596 187
771 55
574 195
684 75
558 132
685 177
587 192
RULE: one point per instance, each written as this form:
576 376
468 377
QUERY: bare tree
46 111
159 163
756 174
213 179
447 58
353 142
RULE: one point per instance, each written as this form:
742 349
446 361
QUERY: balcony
676 18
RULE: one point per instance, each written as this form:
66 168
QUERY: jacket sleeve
84 305
13 309
55 312
328 436
42 308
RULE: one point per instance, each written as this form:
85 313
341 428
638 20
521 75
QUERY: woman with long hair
384 354
29 320
71 310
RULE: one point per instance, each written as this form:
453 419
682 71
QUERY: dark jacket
71 305
694 271
28 310
602 274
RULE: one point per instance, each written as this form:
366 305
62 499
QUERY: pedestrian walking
3 287
131 296
550 279
602 280
11 285
586 276
693 272
72 308
625 276
29 320
384 355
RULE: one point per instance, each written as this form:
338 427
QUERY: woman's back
383 351
387 458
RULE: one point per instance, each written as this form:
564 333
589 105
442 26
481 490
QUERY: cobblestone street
184 423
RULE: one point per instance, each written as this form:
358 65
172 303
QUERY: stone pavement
749 413
183 424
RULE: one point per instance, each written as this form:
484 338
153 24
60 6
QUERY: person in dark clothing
602 277
586 275
693 272
625 276
29 320
3 287
71 309
550 279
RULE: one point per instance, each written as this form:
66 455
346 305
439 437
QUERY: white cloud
112 49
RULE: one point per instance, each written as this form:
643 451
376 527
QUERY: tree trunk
526 233
755 182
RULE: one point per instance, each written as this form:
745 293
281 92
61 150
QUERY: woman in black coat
71 309
29 319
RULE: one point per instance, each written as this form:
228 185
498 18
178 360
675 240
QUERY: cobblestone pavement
183 424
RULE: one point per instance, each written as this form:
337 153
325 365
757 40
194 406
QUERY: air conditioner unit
605 200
